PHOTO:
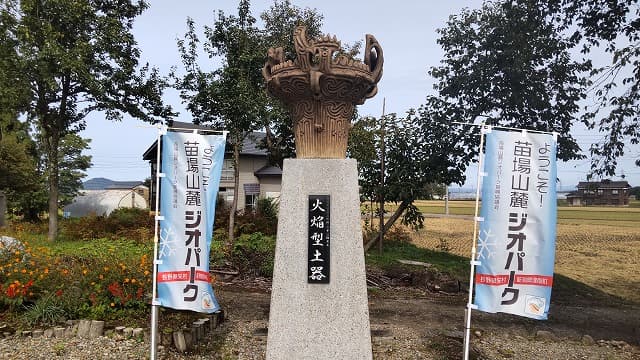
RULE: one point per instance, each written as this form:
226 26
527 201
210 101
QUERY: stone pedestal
319 321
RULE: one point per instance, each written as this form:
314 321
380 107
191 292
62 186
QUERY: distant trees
64 59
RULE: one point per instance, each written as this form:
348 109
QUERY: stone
323 321
587 340
214 321
179 341
127 332
137 333
119 329
546 335
10 245
197 331
96 329
84 326
166 338
58 332
477 333
70 331
48 333
37 333
189 338
26 333
206 325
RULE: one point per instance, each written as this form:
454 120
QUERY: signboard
191 164
319 254
516 243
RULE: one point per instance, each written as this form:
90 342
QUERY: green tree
508 63
228 98
232 97
75 57
612 26
280 21
72 166
420 149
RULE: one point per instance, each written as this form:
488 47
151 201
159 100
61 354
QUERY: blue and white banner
192 164
516 243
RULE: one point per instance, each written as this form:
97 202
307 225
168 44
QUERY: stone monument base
319 321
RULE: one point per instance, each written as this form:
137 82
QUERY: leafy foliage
68 58
253 254
130 223
612 26
508 63
420 150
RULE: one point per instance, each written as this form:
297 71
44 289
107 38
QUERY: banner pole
154 302
473 262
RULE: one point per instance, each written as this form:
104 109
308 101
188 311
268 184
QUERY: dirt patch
415 323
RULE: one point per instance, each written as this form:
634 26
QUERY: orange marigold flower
46 270
101 277
112 304
133 281
24 271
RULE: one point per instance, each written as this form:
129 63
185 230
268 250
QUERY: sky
406 30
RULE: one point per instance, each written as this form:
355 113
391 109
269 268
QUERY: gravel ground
404 326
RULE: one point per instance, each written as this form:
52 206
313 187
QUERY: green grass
398 250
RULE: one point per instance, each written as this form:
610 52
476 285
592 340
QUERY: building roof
250 144
104 183
268 170
103 202
604 184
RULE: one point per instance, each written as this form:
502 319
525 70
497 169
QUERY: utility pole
446 199
381 192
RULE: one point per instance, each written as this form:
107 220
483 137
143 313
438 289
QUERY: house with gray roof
256 177
605 192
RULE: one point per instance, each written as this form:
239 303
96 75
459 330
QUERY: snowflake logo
486 245
168 242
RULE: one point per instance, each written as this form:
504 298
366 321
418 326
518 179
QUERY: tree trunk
396 215
236 192
52 167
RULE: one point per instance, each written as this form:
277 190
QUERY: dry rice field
601 251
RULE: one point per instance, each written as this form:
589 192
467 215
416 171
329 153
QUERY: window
227 170
614 192
250 201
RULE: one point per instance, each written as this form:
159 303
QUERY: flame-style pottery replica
321 87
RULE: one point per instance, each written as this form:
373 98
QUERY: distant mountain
104 184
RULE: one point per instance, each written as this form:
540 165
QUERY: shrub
85 279
253 254
264 219
45 311
130 223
